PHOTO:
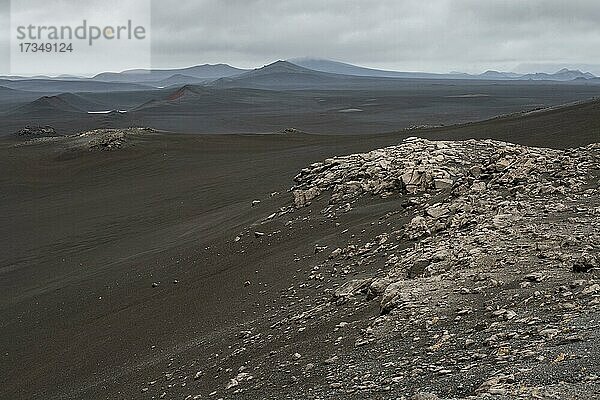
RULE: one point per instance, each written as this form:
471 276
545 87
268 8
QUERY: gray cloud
437 36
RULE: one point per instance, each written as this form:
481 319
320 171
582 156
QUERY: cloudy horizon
440 36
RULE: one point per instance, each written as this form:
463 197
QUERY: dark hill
48 104
565 126
283 75
11 99
186 94
183 93
62 103
80 102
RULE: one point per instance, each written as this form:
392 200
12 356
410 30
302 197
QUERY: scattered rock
585 263
534 277
36 131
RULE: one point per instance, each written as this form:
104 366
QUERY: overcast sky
407 35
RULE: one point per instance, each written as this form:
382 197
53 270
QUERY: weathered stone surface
303 197
352 287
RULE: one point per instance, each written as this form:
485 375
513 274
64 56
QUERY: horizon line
560 67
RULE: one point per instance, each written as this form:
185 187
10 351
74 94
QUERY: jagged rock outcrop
36 131
492 230
108 139
422 166
473 202
431 269
94 140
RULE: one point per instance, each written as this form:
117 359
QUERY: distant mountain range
280 74
496 75
201 86
221 98
337 67
562 75
196 74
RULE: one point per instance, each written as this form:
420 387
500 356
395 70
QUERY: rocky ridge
436 270
36 131
94 140
480 208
